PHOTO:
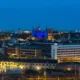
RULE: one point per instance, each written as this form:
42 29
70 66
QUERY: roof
25 47
31 47
69 63
30 60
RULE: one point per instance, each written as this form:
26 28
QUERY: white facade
62 51
2 51
54 51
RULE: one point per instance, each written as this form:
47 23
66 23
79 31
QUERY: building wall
2 51
67 52
50 36
7 65
70 66
54 52
18 52
3 37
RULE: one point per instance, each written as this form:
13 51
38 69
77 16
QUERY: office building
24 52
65 52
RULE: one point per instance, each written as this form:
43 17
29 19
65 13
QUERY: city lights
21 67
38 67
36 54
69 69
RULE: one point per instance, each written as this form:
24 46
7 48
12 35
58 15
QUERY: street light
38 68
21 67
69 69
44 75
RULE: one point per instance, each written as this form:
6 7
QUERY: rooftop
29 60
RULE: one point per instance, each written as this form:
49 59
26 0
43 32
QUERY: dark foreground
50 77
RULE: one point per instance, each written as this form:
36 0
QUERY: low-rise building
22 64
68 66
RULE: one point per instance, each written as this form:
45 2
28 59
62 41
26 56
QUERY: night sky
23 14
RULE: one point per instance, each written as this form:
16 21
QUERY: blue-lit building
39 34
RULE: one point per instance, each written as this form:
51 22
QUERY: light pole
79 72
75 70
2 78
38 68
44 74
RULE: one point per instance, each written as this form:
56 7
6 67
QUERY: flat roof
69 63
30 60
26 47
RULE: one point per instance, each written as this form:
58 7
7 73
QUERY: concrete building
22 49
69 66
27 52
66 52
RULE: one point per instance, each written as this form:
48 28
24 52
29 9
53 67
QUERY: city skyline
40 39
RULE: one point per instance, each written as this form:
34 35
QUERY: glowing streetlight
38 68
69 69
21 67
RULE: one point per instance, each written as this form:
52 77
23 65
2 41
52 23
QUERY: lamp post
75 70
44 74
79 72
2 78
38 68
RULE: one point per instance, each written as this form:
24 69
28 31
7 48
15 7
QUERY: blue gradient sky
58 14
